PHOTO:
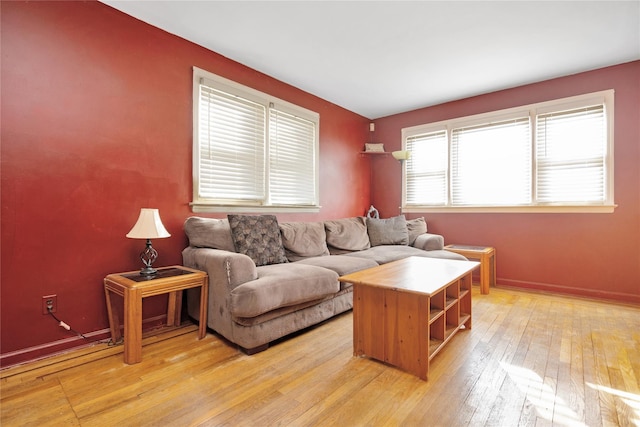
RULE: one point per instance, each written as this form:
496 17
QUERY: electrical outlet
49 301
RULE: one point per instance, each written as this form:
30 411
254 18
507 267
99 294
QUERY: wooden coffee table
405 311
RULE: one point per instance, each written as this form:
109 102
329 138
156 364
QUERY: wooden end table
405 311
487 257
133 287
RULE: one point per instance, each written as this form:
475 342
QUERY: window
426 173
552 156
571 153
491 163
251 151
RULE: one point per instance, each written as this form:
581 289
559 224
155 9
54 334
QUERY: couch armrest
226 271
429 242
222 266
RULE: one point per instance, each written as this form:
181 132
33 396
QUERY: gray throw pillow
389 231
258 237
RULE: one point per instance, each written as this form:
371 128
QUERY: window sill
511 209
199 207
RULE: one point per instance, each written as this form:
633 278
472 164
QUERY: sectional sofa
269 279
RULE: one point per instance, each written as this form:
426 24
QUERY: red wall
596 255
96 124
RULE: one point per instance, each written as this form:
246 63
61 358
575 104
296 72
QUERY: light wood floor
530 359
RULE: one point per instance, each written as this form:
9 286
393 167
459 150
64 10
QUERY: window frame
203 204
605 97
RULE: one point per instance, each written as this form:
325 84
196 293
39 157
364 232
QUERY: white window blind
291 159
571 150
252 151
491 164
426 169
231 141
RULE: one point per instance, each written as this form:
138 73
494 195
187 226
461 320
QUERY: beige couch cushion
341 264
416 227
209 233
349 234
304 239
387 253
282 285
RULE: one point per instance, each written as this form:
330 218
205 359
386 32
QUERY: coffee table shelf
435 314
434 346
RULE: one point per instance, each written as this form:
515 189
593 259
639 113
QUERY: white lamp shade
148 226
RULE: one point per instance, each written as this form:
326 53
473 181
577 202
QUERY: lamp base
148 271
148 256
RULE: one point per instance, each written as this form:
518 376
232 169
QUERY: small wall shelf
376 153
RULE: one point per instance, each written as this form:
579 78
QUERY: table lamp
149 226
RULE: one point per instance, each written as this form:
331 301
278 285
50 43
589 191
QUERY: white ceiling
378 58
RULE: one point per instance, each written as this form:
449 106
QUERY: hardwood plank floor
530 359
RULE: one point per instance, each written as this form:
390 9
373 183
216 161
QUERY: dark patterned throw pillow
258 236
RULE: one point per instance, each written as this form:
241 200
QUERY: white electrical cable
64 325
